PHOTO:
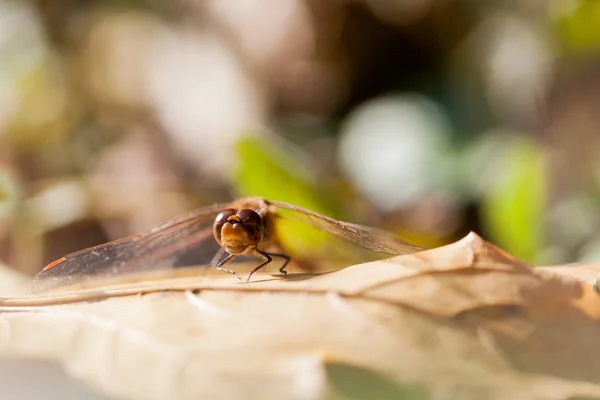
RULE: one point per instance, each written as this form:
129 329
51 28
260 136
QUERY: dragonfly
218 234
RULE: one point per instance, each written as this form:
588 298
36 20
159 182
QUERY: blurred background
430 118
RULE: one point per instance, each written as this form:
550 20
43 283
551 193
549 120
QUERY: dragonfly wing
184 241
332 244
188 241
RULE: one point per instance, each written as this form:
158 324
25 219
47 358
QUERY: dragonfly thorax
237 230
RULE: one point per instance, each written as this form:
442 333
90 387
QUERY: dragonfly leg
217 256
268 258
287 260
220 266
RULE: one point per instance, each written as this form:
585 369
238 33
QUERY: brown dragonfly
217 234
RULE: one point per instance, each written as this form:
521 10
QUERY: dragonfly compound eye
254 225
220 220
236 230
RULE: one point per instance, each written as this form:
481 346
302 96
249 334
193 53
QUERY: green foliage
10 195
513 207
579 29
275 172
354 383
266 169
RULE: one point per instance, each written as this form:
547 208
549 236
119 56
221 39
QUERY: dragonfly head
237 230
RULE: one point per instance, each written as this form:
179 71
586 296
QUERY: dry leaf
462 321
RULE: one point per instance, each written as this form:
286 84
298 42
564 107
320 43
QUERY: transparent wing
184 241
319 243
313 241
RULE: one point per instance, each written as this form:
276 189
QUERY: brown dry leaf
462 321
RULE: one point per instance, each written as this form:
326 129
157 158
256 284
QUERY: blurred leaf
513 206
362 384
44 114
481 159
3 190
11 196
464 321
266 169
579 27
